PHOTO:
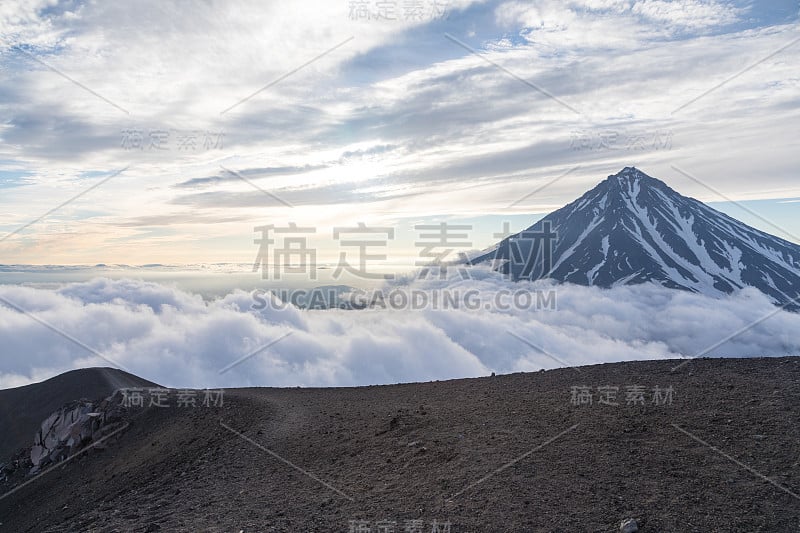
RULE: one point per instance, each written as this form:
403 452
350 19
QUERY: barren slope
437 451
23 409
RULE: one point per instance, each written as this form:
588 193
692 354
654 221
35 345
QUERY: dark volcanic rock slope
23 409
633 228
508 454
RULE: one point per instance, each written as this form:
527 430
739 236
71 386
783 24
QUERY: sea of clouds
178 339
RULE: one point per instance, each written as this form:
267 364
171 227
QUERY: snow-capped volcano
633 228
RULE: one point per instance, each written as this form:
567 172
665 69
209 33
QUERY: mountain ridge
22 409
633 228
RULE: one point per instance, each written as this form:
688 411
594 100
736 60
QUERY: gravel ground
507 453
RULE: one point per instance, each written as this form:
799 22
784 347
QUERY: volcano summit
633 228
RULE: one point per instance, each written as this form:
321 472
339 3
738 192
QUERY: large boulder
74 427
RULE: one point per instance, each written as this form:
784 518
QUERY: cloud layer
178 339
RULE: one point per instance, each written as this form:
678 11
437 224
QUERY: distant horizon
783 223
421 381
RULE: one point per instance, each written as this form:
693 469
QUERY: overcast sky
196 124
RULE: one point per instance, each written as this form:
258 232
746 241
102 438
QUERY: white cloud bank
177 339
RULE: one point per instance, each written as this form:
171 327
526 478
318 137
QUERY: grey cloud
178 219
224 177
373 150
313 195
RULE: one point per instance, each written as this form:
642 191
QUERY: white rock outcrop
72 428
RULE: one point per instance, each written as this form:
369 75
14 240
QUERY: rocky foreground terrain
23 409
711 446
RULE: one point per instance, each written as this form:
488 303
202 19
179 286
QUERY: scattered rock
17 467
629 526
